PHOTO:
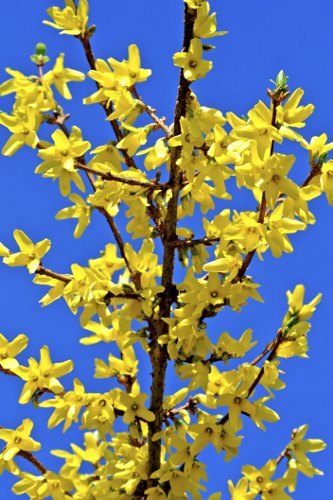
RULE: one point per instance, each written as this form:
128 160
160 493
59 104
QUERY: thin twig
108 176
273 348
199 241
47 272
33 460
151 112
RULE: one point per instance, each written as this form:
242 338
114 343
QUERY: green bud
91 30
207 47
41 49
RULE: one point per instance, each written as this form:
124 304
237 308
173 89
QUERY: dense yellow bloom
30 254
72 20
18 440
60 76
193 65
42 375
133 292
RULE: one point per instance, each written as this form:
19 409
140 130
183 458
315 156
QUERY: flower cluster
131 298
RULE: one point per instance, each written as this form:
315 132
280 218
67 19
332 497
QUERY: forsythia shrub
149 445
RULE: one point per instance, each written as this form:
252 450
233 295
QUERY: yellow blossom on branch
30 254
42 376
19 439
60 76
193 65
72 20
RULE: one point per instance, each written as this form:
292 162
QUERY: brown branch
286 450
273 348
249 256
33 460
67 279
108 109
151 112
315 170
47 272
199 241
190 406
158 353
108 176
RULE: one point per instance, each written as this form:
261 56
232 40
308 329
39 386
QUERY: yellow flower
29 91
194 4
23 129
9 350
297 308
18 440
60 76
227 347
292 115
42 375
326 180
134 408
186 140
193 65
205 24
237 403
30 254
59 159
228 264
274 180
129 72
127 366
259 478
66 407
258 127
134 139
240 491
317 147
72 20
300 447
156 155
80 210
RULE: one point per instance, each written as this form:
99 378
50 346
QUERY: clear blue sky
263 38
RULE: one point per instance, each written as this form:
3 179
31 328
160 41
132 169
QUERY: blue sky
296 36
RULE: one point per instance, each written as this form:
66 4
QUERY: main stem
158 353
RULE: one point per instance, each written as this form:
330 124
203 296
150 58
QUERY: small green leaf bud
41 49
